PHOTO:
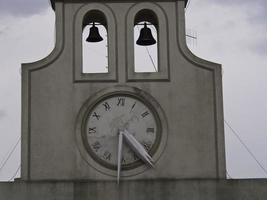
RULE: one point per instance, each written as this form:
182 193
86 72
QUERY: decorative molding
215 69
163 44
27 69
181 41
52 2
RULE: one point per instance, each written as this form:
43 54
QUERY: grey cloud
235 2
256 12
3 30
259 17
3 114
22 7
255 15
259 48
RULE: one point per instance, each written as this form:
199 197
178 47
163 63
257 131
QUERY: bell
94 35
145 37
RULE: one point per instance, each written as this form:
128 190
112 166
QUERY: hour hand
138 148
119 155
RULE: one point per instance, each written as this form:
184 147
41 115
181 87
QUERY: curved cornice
186 52
59 44
53 1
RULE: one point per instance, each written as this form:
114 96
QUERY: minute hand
138 148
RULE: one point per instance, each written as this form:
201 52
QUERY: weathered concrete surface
188 90
137 190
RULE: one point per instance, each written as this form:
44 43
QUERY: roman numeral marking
150 130
145 114
96 146
107 155
92 130
107 106
96 116
147 145
121 101
133 106
123 161
135 157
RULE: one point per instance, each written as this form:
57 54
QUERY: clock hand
119 155
138 148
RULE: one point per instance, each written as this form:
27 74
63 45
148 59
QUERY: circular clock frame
136 167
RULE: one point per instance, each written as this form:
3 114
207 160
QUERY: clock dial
111 114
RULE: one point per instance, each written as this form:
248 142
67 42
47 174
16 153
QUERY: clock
127 111
115 112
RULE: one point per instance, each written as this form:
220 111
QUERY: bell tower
112 130
111 125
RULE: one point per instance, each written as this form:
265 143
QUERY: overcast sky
230 32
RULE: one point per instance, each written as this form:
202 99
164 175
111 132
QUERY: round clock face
119 112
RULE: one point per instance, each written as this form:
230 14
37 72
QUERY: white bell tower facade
183 98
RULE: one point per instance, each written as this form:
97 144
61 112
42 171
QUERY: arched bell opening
146 42
95 43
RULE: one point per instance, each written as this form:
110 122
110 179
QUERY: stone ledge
53 1
249 189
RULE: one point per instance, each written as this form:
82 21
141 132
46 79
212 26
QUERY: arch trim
112 50
163 44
